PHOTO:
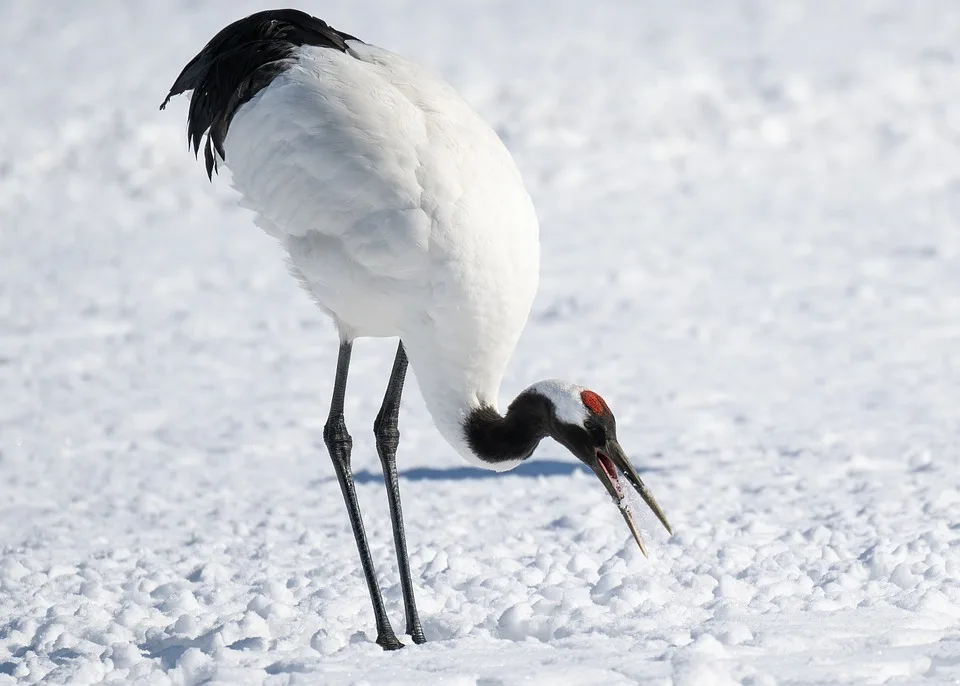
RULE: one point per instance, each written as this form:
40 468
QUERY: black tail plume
239 62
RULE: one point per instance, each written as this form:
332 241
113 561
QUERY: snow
749 216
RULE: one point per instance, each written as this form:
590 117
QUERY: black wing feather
239 62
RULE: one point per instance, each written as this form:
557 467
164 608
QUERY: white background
750 248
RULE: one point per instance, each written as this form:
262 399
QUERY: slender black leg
388 438
339 444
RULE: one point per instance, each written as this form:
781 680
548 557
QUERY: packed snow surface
750 248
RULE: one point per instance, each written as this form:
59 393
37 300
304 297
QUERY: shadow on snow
530 469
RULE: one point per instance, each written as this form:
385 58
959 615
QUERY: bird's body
403 215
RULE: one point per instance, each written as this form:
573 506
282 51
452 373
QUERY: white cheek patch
565 398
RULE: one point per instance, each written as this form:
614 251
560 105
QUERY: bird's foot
389 642
417 635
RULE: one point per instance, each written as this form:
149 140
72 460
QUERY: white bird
403 215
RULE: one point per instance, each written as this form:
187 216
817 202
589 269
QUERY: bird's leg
339 444
388 438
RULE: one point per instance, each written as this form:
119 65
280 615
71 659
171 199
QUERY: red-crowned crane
403 215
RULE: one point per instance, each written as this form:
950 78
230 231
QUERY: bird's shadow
527 469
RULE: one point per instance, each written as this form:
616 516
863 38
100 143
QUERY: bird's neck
503 441
461 395
460 384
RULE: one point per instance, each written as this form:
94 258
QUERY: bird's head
582 422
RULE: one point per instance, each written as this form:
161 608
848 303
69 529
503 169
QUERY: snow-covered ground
751 247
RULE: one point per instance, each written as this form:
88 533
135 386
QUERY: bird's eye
597 433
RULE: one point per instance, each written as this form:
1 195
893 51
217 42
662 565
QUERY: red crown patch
594 403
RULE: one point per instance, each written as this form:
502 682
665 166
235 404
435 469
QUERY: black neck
513 436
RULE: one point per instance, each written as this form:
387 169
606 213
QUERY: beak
609 461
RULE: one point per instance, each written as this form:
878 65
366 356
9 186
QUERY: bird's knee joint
388 445
336 437
386 432
386 424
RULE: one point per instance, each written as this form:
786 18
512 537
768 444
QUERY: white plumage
402 213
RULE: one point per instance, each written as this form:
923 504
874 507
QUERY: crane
402 214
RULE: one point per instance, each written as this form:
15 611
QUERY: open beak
611 461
